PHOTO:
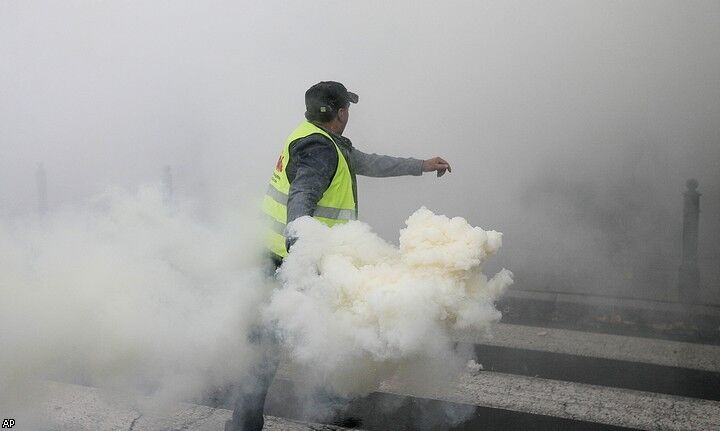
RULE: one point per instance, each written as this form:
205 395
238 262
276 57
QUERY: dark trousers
250 395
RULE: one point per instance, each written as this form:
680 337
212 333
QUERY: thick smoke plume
134 294
355 310
127 293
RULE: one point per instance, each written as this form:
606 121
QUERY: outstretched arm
375 165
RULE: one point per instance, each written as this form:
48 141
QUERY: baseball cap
328 96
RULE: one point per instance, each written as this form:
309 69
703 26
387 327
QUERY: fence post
689 275
167 184
41 184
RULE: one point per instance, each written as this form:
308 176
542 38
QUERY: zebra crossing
532 378
69 407
537 378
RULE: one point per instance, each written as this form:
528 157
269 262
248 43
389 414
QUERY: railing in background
42 194
167 184
689 274
41 184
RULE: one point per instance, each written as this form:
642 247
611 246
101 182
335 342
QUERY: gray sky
571 125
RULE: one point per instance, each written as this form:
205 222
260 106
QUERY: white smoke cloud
127 293
355 310
133 294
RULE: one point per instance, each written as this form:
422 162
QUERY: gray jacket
313 162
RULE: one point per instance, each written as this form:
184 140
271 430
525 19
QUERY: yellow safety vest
337 204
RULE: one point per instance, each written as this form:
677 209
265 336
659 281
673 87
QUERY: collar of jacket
339 139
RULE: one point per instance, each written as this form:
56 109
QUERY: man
315 176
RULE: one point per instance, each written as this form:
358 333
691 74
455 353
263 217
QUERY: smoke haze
577 122
571 126
130 294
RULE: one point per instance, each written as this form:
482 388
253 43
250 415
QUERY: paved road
636 349
80 408
560 400
576 401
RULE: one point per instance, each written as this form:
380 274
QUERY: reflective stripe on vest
320 211
337 204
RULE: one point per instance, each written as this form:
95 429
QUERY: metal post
41 183
167 184
689 276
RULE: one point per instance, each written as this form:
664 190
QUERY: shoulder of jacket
316 139
315 145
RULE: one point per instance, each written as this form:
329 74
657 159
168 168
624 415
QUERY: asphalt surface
694 323
80 408
590 403
533 379
609 346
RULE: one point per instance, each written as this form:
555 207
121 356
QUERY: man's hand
436 164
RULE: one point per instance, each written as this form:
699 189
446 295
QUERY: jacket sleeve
375 165
314 164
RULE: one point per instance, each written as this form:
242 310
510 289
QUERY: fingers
437 164
442 166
